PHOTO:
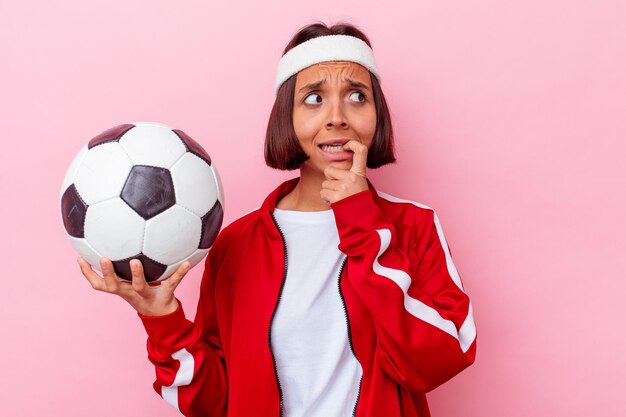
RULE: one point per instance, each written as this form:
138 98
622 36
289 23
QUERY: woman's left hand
340 183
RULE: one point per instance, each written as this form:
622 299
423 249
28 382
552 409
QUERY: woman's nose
337 116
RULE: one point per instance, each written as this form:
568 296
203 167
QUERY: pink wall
510 122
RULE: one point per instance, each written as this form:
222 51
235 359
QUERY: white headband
324 49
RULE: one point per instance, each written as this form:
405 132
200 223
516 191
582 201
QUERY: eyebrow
317 84
312 86
356 84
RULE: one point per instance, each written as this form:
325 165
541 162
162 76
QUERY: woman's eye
313 99
357 96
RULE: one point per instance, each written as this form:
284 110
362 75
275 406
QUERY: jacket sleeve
423 318
188 357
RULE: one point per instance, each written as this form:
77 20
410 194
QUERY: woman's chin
343 164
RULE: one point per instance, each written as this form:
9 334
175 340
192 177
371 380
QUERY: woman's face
333 103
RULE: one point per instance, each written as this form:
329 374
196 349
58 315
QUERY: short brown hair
282 149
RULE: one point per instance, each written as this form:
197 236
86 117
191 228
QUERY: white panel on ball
114 229
71 171
85 250
102 173
197 256
172 235
194 184
153 144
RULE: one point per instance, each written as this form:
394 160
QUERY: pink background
510 122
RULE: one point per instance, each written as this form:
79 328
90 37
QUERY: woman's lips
333 154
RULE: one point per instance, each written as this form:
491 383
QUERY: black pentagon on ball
193 146
149 190
211 223
110 135
73 211
152 270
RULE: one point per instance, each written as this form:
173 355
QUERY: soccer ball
145 191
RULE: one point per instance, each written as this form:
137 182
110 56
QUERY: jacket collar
270 202
282 190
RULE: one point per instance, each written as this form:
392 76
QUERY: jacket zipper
345 310
269 336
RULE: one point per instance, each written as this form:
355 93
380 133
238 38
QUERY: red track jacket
410 323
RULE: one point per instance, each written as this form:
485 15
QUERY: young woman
332 298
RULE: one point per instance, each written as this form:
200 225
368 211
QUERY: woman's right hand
146 299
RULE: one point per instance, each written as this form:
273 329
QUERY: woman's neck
306 195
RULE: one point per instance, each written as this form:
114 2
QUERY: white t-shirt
318 373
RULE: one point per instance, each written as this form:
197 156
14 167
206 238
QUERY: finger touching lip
355 146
